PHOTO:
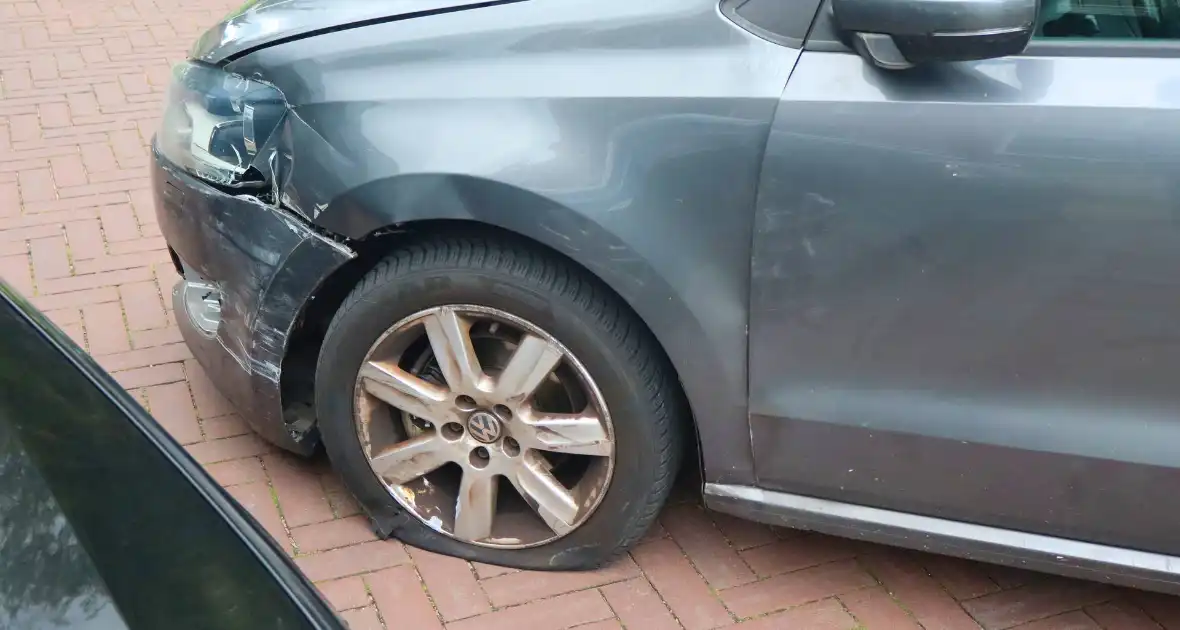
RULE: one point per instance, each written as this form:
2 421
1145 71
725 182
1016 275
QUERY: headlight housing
215 122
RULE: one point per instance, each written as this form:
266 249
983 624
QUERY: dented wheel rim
484 427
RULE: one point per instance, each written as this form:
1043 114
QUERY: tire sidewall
579 327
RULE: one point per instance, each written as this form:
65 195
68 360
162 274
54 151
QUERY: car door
106 523
965 292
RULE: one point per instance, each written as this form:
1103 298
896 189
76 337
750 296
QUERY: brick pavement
80 86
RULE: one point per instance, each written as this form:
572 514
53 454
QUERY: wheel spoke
415 426
406 461
475 510
573 433
450 338
403 390
552 502
533 360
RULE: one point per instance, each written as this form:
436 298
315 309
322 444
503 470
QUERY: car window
47 580
139 524
1109 19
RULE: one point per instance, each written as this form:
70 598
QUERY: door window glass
1109 19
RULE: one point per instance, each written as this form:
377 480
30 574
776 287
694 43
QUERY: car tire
647 413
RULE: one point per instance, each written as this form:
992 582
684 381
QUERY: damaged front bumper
247 270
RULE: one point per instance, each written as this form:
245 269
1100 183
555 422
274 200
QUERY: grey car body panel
522 117
267 263
951 286
964 295
263 22
768 19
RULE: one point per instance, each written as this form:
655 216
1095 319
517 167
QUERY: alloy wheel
484 426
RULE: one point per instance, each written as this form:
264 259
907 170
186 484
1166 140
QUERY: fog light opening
202 304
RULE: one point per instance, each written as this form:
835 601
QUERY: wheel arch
380 217
297 374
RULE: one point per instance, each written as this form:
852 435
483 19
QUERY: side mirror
898 34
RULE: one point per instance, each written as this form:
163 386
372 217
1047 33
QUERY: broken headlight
215 122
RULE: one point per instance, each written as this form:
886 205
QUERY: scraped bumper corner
246 271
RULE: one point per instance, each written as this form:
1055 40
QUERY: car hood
261 22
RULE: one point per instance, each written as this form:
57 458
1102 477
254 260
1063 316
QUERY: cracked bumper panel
249 268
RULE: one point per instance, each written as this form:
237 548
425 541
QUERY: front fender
697 310
567 126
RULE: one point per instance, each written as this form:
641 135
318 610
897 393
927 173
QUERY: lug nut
511 447
479 457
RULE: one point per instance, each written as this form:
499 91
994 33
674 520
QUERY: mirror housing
898 34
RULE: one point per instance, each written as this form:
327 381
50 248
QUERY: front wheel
486 401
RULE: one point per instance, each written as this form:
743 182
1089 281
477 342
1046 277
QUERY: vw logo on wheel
484 427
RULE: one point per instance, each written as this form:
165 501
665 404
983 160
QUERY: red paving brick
525 586
1121 614
362 619
332 534
352 560
225 450
346 593
300 495
237 471
823 615
452 584
710 552
172 406
402 598
743 534
155 375
223 427
1076 620
799 587
1031 602
797 553
639 606
681 587
555 613
874 608
256 497
78 236
605 624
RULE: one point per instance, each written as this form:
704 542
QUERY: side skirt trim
1074 558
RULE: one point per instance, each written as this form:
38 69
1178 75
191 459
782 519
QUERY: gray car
901 270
